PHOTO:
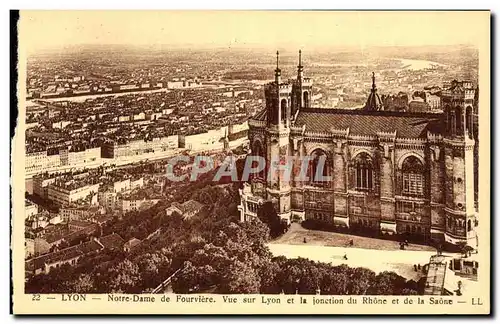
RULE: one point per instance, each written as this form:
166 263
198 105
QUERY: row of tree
215 252
238 261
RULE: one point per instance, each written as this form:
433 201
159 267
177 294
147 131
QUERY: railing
256 123
166 282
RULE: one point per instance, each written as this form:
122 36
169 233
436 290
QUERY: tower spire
300 68
277 72
373 103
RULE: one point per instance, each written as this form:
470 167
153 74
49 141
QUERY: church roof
261 115
369 123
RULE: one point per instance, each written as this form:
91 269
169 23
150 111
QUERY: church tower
301 89
373 103
278 107
278 100
460 213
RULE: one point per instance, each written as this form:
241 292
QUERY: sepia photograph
252 162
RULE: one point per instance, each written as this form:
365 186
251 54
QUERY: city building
30 209
187 210
65 193
131 244
130 204
392 172
107 199
71 213
41 161
41 185
127 148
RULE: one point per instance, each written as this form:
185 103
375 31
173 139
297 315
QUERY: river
417 64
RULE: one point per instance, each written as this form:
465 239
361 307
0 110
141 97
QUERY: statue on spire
374 103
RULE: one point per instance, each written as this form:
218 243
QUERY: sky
40 30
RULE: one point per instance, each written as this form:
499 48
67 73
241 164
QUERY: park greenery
215 252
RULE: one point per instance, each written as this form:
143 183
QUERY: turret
458 103
302 89
460 213
278 100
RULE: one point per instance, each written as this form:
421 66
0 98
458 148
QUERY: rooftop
65 254
80 223
112 241
368 123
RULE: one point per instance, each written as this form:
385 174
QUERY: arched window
459 123
320 168
306 99
257 150
452 122
413 176
283 109
469 225
274 111
363 172
469 122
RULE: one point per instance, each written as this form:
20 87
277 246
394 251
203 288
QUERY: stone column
387 201
340 184
339 181
436 190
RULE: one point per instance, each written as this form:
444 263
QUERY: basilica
392 172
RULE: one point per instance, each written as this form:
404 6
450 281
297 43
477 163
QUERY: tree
123 278
267 214
194 279
335 280
268 272
256 230
84 285
360 280
153 267
387 283
240 278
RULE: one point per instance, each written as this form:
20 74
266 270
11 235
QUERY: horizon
195 30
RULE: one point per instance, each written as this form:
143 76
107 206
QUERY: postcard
252 162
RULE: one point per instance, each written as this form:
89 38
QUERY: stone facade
391 172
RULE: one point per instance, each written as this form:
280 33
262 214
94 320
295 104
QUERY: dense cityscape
101 123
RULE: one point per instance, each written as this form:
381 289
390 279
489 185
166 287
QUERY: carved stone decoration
283 150
338 148
460 206
435 153
296 144
387 150
458 152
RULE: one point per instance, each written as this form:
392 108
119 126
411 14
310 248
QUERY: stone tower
460 213
278 106
301 90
